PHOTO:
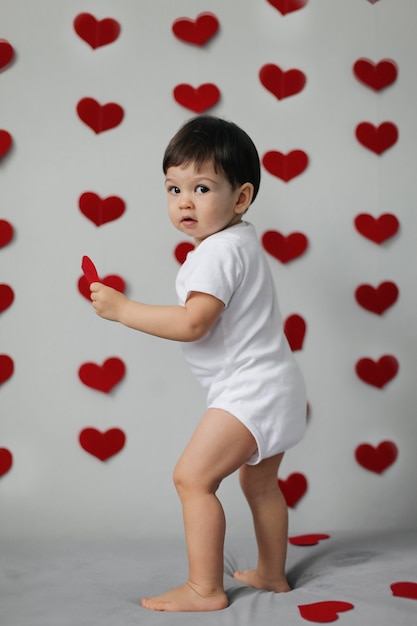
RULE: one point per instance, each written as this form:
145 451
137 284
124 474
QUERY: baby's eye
174 190
202 189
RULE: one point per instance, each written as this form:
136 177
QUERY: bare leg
270 516
219 446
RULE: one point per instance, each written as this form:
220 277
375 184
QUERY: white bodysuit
245 361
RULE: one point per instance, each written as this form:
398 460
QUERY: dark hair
228 147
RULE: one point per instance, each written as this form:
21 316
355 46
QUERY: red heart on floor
287 6
324 611
404 590
377 373
293 488
197 99
181 251
100 211
5 142
281 84
102 445
197 32
6 297
6 461
285 166
312 539
377 138
6 368
376 459
99 117
295 330
377 299
376 75
114 281
96 32
6 233
284 248
102 377
6 53
377 229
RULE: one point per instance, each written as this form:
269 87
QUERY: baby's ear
244 198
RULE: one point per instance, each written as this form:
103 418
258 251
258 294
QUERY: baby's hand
107 302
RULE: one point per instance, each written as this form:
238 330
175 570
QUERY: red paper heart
308 540
96 32
293 488
6 461
181 251
377 229
377 373
6 297
377 299
102 445
197 32
376 75
324 611
295 330
372 1
283 248
287 6
6 53
102 377
404 590
6 233
377 138
376 459
197 99
5 142
99 117
285 166
100 211
6 368
114 281
281 84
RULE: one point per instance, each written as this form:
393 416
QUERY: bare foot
253 579
186 598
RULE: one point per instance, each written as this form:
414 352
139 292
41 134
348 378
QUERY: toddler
231 328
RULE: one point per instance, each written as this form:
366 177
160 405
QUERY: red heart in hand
323 611
285 166
287 6
114 281
283 248
100 211
197 99
377 373
6 233
293 488
6 53
281 84
181 251
376 459
6 461
6 368
377 138
377 229
102 445
96 32
5 142
6 297
295 330
308 540
197 32
376 75
377 299
102 377
99 117
404 590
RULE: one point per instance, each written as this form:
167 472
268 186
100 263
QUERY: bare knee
188 481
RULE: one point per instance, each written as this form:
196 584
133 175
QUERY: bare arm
179 323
